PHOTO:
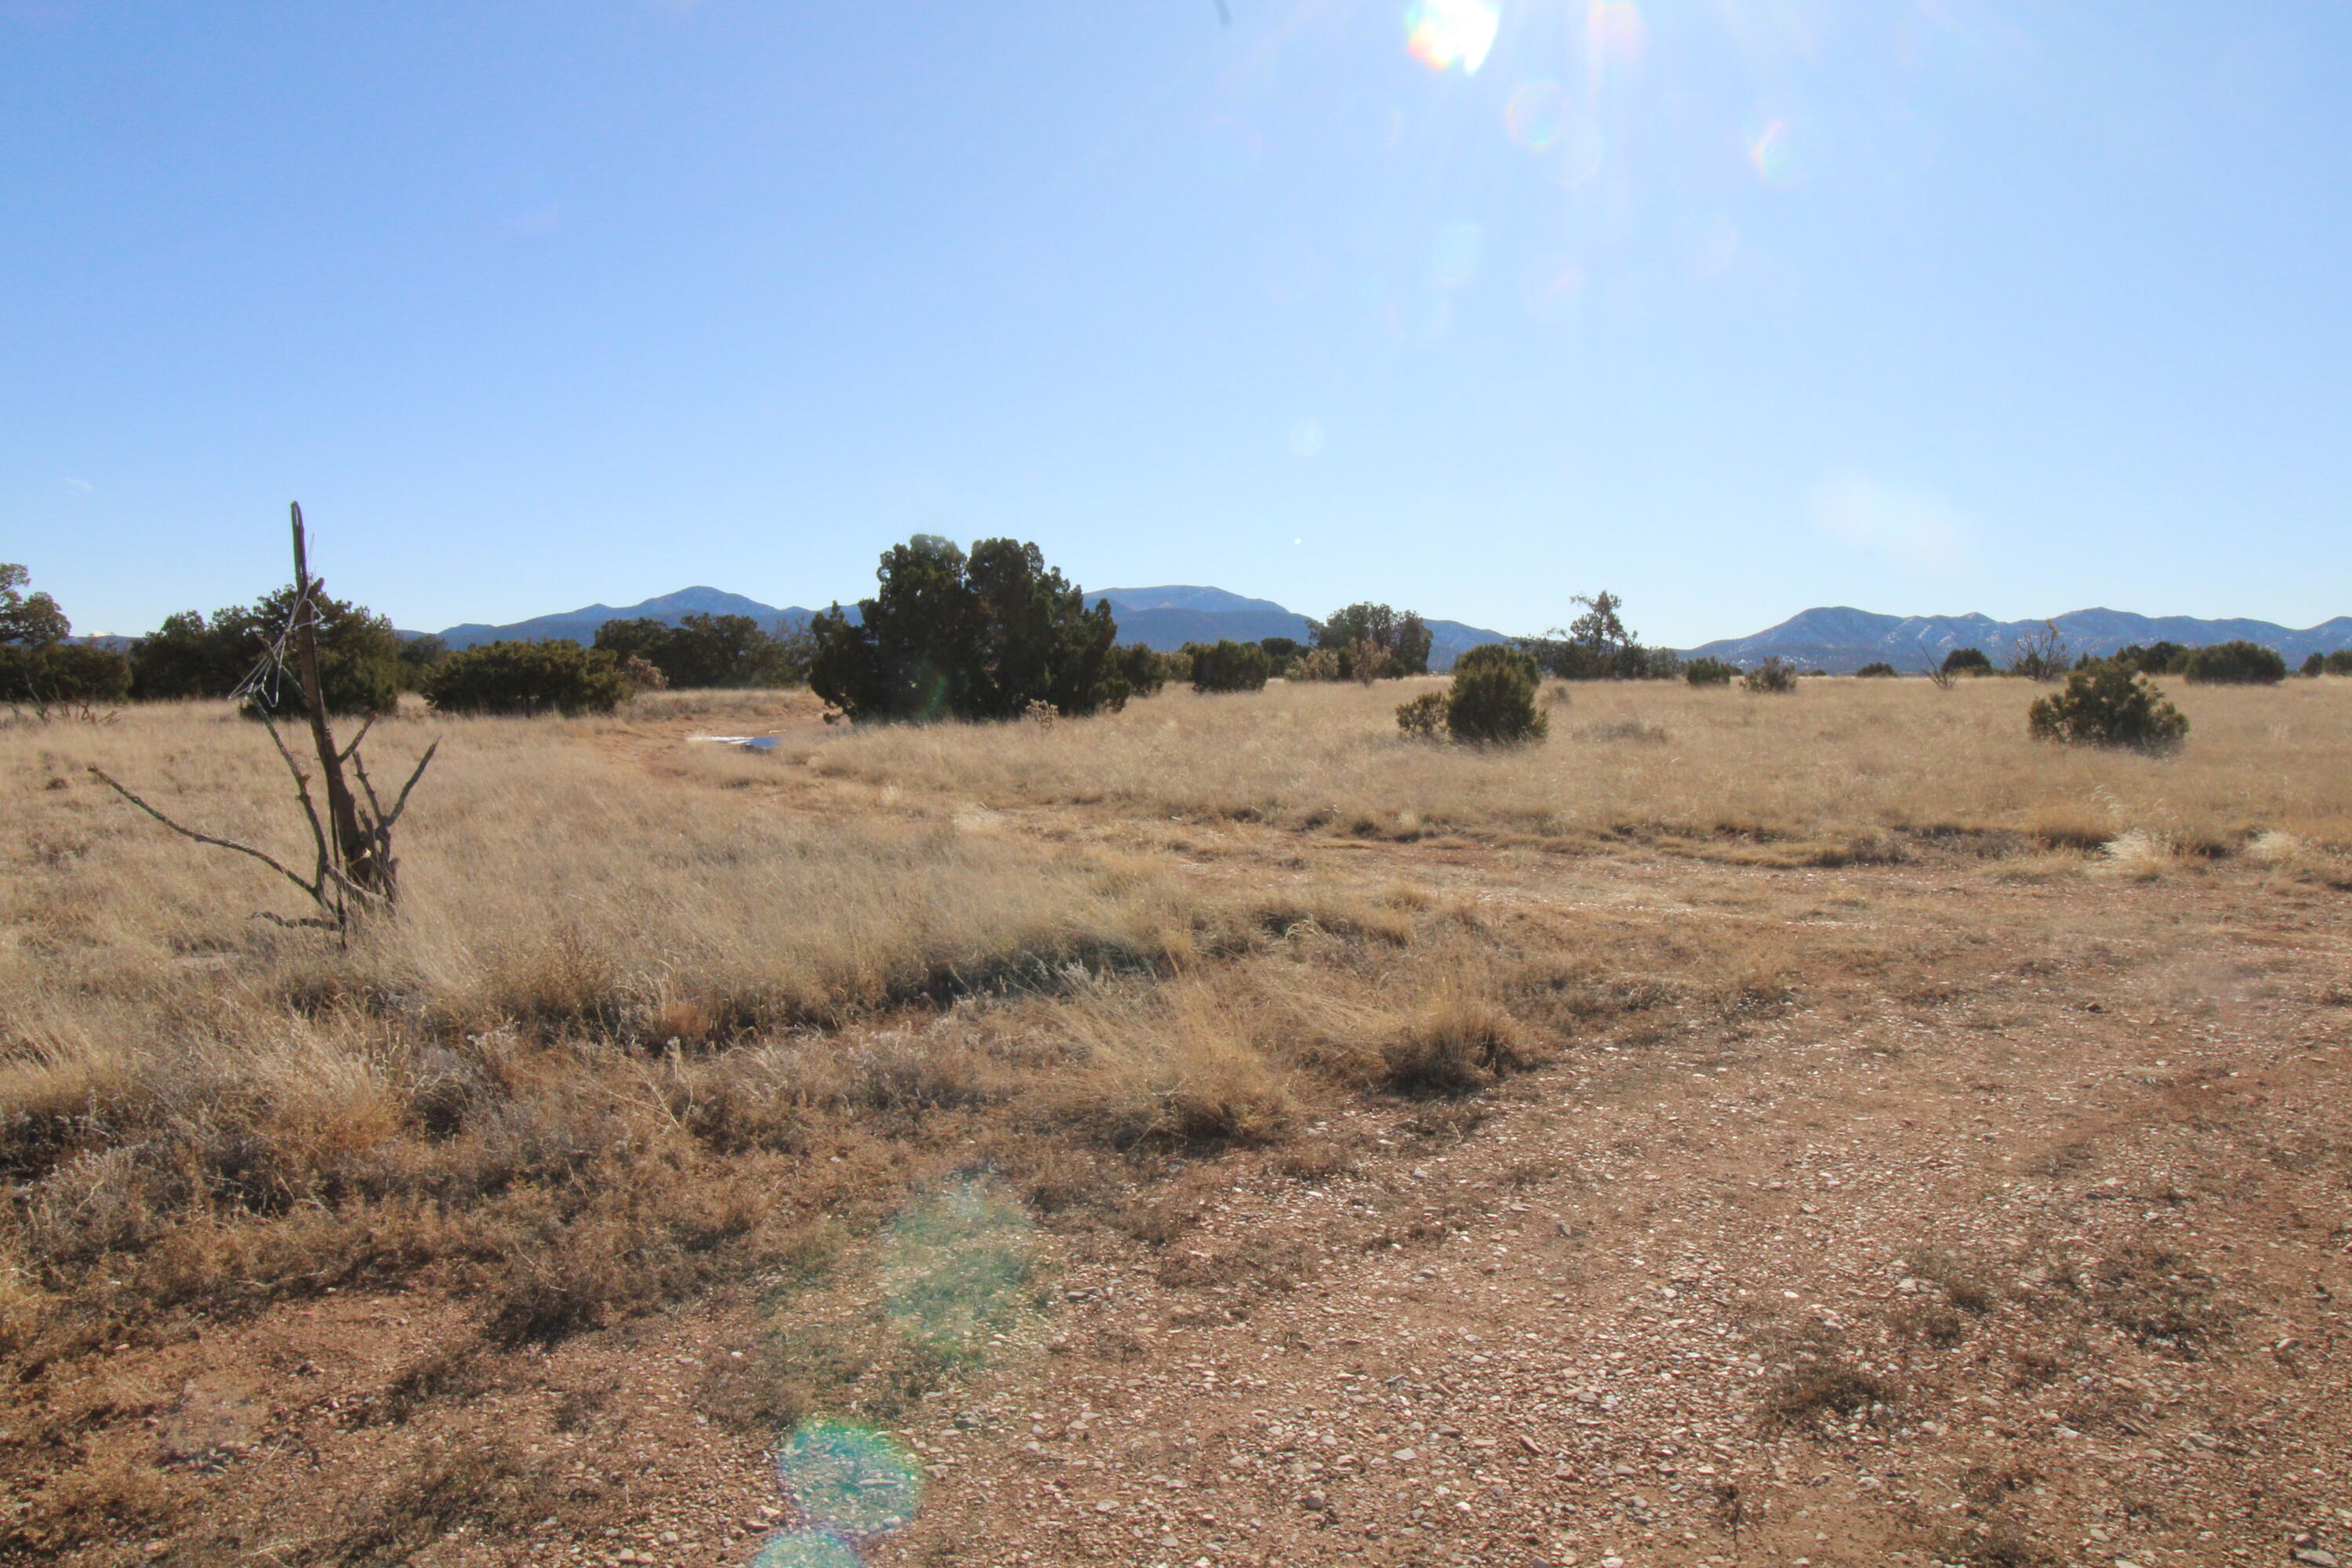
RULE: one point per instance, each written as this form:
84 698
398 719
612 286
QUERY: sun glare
1442 33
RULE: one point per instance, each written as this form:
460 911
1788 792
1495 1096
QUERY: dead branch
269 860
355 868
400 802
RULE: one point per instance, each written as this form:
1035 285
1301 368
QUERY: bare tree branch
202 837
302 793
401 804
355 869
350 749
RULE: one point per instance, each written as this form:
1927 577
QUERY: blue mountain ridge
1841 638
1833 637
1165 617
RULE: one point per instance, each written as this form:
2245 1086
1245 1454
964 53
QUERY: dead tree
353 873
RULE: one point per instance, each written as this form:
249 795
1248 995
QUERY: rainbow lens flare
806 1549
1537 115
849 1482
956 1265
1772 152
1442 33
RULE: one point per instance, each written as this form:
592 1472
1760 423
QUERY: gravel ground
2026 1240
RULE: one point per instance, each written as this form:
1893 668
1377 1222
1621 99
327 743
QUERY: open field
1743 1129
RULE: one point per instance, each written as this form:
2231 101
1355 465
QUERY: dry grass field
1825 1127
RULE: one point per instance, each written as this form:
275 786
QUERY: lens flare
955 1265
1442 33
1614 28
1773 154
1537 115
849 1482
806 1549
1454 259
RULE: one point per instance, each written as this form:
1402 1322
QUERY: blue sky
1732 306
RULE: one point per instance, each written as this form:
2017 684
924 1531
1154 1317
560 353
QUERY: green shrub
2158 658
2340 661
2109 704
1424 718
1598 645
1878 671
1373 641
2237 663
1493 699
2313 665
1146 670
1229 666
1775 674
528 678
982 636
1967 661
361 658
65 672
711 651
418 657
1708 672
37 665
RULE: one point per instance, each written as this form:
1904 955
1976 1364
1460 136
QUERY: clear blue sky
1732 306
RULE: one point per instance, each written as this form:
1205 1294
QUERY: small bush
1424 718
1708 672
2340 661
1494 697
2108 705
2314 664
1880 670
1229 666
2237 663
1146 670
529 678
2158 659
1967 661
1775 674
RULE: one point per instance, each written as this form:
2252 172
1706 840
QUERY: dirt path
2055 1271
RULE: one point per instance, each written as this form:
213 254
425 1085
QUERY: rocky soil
2020 1232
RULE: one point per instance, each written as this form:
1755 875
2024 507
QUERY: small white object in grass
747 742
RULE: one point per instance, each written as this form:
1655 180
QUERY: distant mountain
1841 638
1181 596
579 625
1166 618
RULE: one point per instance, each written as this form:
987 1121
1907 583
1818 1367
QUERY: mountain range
1836 638
1166 618
1842 640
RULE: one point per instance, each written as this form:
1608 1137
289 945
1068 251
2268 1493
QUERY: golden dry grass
611 939
1831 765
656 1017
